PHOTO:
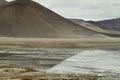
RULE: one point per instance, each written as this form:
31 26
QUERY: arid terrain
43 45
39 23
36 63
59 42
110 24
95 26
41 55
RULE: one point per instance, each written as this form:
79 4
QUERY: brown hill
96 28
25 18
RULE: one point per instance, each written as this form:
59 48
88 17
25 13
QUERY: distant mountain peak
110 24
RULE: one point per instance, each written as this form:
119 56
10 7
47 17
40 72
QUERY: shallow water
42 59
37 58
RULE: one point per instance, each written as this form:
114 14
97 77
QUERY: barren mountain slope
25 18
95 28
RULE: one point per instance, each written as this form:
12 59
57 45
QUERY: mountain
112 24
26 18
91 26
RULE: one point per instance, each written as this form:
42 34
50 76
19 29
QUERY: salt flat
103 63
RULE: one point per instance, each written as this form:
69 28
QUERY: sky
84 9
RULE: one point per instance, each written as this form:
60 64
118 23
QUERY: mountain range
114 31
111 24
